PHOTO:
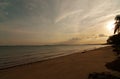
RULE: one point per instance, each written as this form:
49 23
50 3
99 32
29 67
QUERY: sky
39 22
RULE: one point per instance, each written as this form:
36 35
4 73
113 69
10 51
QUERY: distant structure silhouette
117 24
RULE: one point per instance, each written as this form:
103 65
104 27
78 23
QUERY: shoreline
74 66
54 57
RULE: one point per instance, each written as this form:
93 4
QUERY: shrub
114 40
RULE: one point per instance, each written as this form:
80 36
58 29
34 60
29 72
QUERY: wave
11 58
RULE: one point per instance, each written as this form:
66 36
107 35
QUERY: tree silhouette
115 39
117 24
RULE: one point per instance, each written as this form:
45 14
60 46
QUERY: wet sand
74 66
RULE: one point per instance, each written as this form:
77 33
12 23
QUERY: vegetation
114 40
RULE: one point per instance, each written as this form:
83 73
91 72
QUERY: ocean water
11 56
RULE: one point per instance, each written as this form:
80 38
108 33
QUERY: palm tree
115 39
117 24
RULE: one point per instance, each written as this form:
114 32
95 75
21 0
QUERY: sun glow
110 25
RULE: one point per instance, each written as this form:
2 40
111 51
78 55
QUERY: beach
75 66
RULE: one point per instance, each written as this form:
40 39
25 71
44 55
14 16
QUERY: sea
11 56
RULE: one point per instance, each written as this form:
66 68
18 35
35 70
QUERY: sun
110 25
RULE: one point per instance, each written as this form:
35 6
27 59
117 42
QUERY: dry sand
75 66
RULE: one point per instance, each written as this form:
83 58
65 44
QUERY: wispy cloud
67 15
56 19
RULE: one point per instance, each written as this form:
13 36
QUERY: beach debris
102 75
84 51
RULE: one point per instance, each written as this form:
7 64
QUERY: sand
74 66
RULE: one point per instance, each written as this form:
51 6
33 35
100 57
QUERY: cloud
76 38
55 19
102 35
2 4
3 12
67 15
86 40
